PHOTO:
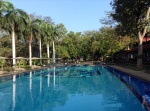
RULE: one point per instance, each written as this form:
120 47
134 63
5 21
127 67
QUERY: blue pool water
84 88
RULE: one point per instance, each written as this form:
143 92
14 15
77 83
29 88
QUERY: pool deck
139 74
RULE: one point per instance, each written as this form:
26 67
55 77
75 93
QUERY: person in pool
146 102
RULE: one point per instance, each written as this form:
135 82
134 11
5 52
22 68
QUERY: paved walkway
138 74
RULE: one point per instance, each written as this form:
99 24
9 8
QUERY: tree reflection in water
68 89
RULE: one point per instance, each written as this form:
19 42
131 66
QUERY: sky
76 15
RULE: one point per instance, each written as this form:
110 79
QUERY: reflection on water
54 76
41 82
48 78
30 82
14 93
68 89
14 78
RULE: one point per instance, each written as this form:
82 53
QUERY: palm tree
40 35
40 44
14 20
32 31
38 29
4 6
53 35
58 32
47 37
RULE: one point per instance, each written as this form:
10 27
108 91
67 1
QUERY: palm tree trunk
48 53
13 47
30 51
40 49
53 53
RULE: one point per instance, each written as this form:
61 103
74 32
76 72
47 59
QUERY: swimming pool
84 88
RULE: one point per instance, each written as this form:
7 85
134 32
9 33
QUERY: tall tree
54 33
58 31
32 31
14 20
39 35
134 21
4 6
54 37
46 35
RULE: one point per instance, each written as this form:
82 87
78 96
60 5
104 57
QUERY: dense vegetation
133 18
24 35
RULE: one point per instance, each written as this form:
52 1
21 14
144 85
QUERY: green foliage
5 46
62 52
36 62
14 20
2 63
91 45
60 31
131 20
9 69
88 57
21 63
26 67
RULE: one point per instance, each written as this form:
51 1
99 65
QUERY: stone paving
138 74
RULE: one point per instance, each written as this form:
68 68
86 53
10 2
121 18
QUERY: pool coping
138 74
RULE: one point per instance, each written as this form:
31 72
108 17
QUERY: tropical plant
32 32
2 63
39 35
14 21
47 37
4 6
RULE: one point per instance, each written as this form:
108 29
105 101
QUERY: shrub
2 63
21 63
9 69
26 67
36 62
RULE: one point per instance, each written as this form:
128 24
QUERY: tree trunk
140 50
30 51
13 47
40 49
102 58
140 41
53 53
48 53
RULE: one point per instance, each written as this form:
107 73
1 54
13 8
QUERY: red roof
145 39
